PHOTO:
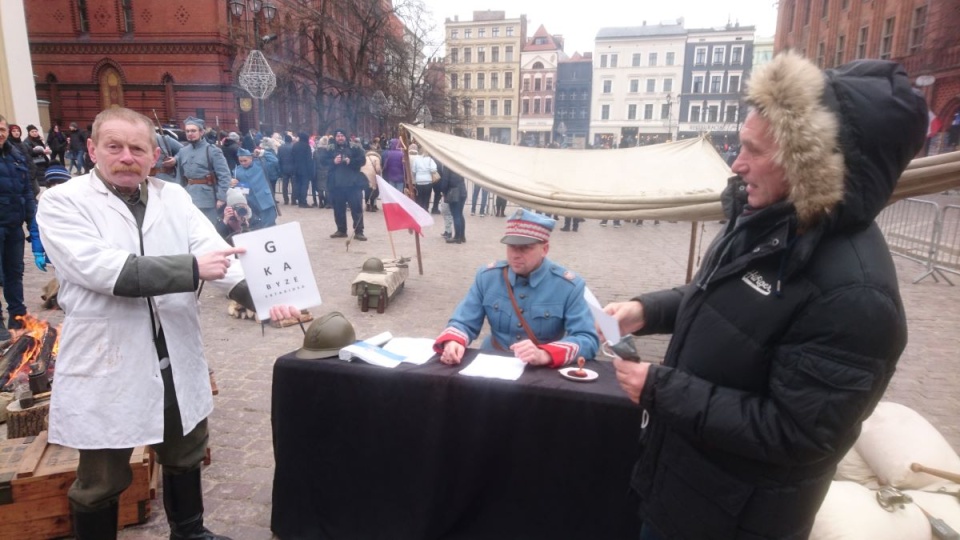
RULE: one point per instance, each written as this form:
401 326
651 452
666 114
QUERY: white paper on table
413 350
370 354
608 325
277 268
495 367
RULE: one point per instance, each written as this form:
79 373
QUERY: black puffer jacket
790 332
18 204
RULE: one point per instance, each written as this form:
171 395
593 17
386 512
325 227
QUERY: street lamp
669 116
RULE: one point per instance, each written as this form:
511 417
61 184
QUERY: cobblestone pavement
616 263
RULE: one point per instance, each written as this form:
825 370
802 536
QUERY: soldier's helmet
373 265
326 336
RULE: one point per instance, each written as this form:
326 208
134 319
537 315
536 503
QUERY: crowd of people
764 384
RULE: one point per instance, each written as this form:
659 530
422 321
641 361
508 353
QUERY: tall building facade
538 79
179 59
571 120
636 76
483 74
718 62
920 34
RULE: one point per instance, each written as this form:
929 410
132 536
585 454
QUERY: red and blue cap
526 227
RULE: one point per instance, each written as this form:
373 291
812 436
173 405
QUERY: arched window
169 99
111 87
537 65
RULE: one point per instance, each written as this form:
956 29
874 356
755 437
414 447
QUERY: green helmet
326 336
373 265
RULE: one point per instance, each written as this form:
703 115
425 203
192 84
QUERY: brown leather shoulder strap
516 308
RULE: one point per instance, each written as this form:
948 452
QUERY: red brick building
180 58
920 34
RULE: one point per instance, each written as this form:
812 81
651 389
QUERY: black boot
183 502
97 525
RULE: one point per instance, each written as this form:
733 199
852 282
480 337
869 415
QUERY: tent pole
693 249
408 187
392 249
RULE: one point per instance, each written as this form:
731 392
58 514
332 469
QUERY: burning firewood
34 349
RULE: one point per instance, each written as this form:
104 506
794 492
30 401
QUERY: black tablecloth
422 452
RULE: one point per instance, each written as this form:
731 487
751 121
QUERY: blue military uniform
551 301
194 162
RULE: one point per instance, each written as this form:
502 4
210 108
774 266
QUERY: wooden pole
392 249
693 249
409 187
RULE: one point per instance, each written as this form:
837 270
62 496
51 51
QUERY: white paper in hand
608 325
277 268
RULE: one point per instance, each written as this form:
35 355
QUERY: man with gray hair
789 334
202 170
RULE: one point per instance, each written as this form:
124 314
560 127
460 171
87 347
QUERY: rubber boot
183 502
96 525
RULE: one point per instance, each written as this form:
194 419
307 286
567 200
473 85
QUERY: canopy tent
677 180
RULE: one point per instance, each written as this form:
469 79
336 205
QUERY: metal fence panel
946 257
910 227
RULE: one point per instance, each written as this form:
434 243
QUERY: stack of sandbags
893 438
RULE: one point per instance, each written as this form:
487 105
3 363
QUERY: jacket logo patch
756 281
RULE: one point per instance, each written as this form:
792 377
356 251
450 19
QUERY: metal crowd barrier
919 231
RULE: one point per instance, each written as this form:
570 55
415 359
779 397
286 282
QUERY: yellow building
483 74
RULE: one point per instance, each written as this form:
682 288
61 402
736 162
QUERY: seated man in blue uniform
535 307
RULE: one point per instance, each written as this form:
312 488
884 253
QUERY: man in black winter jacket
345 182
788 335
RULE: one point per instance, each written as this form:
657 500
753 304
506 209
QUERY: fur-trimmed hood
845 135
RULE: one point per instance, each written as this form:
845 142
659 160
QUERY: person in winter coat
304 169
393 164
371 169
270 163
39 154
320 187
77 148
788 335
422 167
57 142
288 170
250 175
343 161
454 189
230 146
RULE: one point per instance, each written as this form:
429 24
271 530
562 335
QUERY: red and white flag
401 212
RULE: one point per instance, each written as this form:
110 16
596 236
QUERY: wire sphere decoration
256 77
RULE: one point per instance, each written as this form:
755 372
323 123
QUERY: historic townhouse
483 74
538 76
571 120
636 77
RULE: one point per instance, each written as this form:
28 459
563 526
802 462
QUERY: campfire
32 351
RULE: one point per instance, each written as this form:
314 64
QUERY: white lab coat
108 392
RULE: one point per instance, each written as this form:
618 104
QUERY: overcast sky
578 22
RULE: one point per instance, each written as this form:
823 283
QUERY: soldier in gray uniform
166 166
202 170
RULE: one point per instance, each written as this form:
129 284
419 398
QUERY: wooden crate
35 476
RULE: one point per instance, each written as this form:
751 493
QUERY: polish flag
401 212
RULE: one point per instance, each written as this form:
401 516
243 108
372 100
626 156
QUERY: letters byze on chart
277 268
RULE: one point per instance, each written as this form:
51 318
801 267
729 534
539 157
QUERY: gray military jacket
193 162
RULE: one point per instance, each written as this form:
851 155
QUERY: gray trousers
103 474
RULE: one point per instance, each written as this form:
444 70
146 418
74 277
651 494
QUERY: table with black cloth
422 453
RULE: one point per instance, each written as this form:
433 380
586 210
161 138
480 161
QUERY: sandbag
854 468
851 512
940 505
894 437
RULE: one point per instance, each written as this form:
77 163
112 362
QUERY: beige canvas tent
678 180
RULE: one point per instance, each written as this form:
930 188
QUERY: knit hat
336 131
241 152
31 127
56 174
234 136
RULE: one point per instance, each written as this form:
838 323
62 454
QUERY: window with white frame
694 113
481 33
481 55
648 111
631 112
453 81
731 114
604 112
715 81
613 60
494 81
508 80
453 55
635 60
700 56
467 33
862 42
493 107
736 55
668 85
634 86
547 106
454 106
537 83
712 113
526 84
841 53
665 111
494 54
549 83
495 31
697 84
525 106
466 81
509 31
718 54
481 82
652 59
536 106
455 34
607 87
917 28
467 55
651 85
886 38
733 84
821 54
603 60
508 107
670 59
508 52
480 107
